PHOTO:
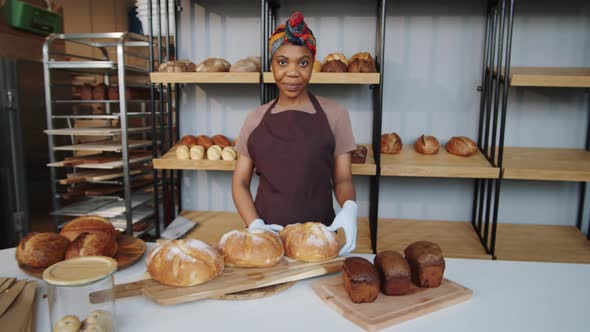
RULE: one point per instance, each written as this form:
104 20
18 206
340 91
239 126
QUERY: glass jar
70 284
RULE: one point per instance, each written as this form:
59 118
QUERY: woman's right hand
259 224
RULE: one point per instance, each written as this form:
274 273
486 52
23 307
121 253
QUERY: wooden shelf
546 164
546 243
443 165
214 78
456 238
169 161
94 131
550 77
334 78
213 224
114 146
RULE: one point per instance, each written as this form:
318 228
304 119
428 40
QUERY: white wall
432 68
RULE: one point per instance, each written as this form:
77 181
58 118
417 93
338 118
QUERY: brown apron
294 156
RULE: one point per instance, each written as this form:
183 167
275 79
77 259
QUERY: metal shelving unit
114 58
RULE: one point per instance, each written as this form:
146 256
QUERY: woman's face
292 66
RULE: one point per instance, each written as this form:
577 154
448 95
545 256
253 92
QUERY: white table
508 296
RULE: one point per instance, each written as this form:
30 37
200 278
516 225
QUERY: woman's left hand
346 219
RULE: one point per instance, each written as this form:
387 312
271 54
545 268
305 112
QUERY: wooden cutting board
389 310
231 280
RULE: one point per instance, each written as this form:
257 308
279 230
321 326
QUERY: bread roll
197 152
250 64
214 152
426 262
251 248
361 280
86 92
427 145
391 143
69 323
221 140
213 65
184 262
204 141
89 224
228 153
182 152
359 156
335 63
92 244
40 250
361 62
317 66
309 242
461 146
99 92
394 271
188 140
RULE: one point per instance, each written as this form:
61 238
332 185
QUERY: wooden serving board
131 249
389 310
231 280
257 292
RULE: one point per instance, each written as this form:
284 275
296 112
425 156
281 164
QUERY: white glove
259 224
346 219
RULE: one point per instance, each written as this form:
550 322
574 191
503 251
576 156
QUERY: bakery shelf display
114 146
95 131
214 78
170 161
410 163
456 238
547 164
335 78
550 77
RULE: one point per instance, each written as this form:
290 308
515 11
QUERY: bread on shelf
461 146
249 64
317 66
361 280
335 63
188 140
391 143
214 152
361 62
204 141
251 248
213 65
221 140
394 272
197 152
426 263
359 156
40 250
177 66
228 153
184 263
427 145
182 152
309 242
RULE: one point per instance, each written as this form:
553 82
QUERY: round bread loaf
40 250
184 262
310 242
177 66
221 140
182 152
68 323
335 63
361 62
251 248
317 66
391 143
92 244
213 65
249 64
427 145
204 141
89 224
461 146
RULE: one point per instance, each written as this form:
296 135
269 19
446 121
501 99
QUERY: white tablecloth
508 296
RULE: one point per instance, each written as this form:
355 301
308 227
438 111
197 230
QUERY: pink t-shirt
338 120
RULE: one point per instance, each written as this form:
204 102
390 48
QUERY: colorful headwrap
296 31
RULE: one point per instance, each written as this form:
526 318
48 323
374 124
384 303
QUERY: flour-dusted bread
251 248
184 262
309 242
40 250
213 65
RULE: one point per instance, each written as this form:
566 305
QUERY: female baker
300 146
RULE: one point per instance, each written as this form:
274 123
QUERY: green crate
24 16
